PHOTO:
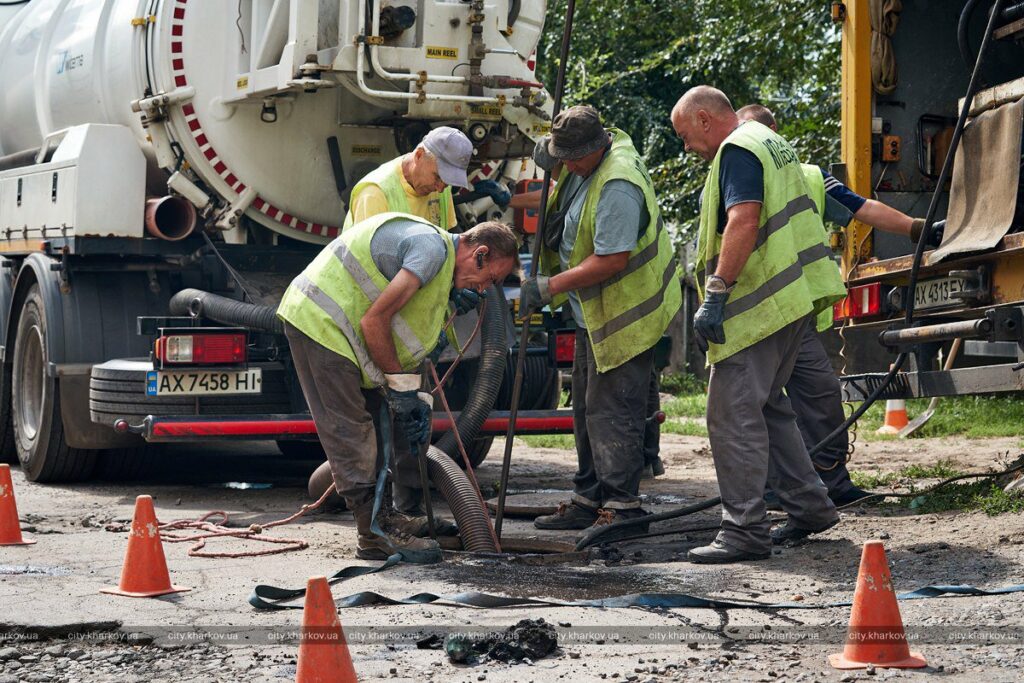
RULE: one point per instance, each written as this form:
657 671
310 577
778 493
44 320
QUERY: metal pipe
170 218
18 159
538 240
966 329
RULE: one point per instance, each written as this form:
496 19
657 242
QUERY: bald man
768 274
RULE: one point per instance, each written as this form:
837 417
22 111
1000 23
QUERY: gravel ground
55 626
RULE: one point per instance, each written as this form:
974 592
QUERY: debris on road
529 639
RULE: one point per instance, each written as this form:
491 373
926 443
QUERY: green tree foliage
632 59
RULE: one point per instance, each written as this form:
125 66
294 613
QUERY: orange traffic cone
895 417
144 574
323 651
875 636
10 529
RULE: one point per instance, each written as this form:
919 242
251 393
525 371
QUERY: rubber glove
709 321
465 300
442 344
533 294
495 190
410 413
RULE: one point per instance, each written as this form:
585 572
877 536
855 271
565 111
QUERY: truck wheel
38 428
8 452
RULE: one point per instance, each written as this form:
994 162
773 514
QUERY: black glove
442 344
533 294
709 321
410 414
542 157
465 300
495 190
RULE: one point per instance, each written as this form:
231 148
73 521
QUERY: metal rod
538 240
421 462
934 333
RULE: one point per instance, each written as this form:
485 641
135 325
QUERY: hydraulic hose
493 356
196 302
947 167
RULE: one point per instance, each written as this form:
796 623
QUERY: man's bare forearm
738 240
380 345
883 217
592 270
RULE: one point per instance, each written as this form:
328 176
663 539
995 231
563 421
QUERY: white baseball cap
453 152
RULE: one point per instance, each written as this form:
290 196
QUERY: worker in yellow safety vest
764 273
813 388
359 320
608 254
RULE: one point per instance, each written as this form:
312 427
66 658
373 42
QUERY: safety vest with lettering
626 314
816 184
328 299
790 273
386 177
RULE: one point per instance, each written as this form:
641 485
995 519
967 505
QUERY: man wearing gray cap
417 183
606 251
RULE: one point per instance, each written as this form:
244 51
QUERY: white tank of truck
272 108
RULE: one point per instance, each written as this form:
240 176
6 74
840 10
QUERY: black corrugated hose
196 302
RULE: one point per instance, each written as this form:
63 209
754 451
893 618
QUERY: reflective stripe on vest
627 313
334 311
387 178
398 324
790 274
328 300
816 184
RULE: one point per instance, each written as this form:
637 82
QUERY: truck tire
8 452
36 419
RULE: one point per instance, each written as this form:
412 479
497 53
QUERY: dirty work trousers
755 439
346 417
652 430
609 412
817 400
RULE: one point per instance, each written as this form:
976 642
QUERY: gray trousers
817 399
609 410
347 418
652 430
755 440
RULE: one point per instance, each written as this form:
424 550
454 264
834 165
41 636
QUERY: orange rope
221 530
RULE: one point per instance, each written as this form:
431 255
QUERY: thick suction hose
196 302
484 392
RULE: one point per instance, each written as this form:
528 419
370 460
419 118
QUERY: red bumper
274 427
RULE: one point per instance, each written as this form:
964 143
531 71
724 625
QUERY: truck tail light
202 349
565 347
860 302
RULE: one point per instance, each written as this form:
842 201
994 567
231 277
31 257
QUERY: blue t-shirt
740 179
840 201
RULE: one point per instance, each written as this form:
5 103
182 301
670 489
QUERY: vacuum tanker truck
168 166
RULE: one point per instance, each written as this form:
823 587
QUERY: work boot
607 516
848 497
790 534
416 524
653 468
374 547
568 516
722 553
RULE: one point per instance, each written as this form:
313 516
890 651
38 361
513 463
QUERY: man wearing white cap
417 183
